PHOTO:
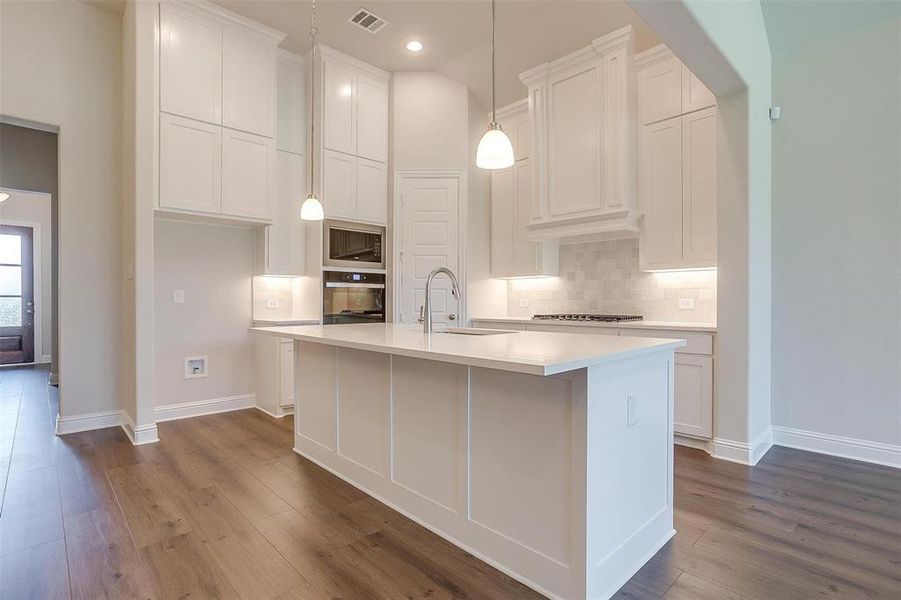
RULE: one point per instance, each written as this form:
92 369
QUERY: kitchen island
548 455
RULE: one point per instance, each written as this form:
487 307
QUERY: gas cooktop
587 317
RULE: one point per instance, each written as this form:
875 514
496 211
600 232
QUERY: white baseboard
285 411
872 452
139 434
690 442
742 452
184 410
88 421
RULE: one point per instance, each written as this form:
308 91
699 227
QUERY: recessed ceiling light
414 46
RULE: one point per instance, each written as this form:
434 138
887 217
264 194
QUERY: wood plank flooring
222 508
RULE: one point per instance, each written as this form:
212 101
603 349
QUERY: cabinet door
286 374
290 131
190 163
248 174
503 222
660 91
248 82
574 144
695 94
693 395
525 251
190 63
339 188
285 237
660 193
338 118
522 137
699 188
372 117
372 191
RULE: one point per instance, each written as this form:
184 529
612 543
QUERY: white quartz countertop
533 352
664 325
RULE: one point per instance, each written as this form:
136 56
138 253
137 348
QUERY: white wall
60 64
213 264
27 208
837 231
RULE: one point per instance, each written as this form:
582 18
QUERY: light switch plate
523 302
632 410
178 296
686 303
272 303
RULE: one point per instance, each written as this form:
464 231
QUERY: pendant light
4 196
311 209
495 150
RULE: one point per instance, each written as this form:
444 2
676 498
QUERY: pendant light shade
311 209
495 150
4 196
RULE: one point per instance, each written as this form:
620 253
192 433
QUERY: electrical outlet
523 302
686 303
272 303
178 296
632 410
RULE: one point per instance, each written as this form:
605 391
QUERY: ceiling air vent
368 21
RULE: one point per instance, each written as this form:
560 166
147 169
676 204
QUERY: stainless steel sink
476 331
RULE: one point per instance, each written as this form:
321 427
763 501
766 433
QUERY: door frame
397 223
37 283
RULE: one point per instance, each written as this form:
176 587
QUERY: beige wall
60 64
213 264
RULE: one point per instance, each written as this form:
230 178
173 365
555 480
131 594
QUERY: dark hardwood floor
222 508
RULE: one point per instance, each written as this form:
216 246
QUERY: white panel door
574 145
290 131
695 94
372 191
660 91
338 113
339 190
372 117
248 82
525 252
699 188
693 396
248 174
503 222
190 163
190 63
429 239
660 193
285 237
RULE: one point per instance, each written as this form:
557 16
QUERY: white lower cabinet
275 374
693 368
286 374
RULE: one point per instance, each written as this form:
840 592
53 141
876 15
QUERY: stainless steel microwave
354 245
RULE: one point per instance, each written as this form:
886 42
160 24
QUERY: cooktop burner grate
587 317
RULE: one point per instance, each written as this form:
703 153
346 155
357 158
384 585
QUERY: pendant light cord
493 80
314 31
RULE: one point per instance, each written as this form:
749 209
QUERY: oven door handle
342 284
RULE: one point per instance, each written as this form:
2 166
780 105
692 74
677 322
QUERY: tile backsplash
604 277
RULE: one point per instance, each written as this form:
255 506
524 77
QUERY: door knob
452 317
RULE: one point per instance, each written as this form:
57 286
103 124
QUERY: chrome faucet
426 314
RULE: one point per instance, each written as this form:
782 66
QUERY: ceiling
455 34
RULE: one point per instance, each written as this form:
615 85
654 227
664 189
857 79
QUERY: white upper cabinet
372 191
248 174
353 127
283 248
248 81
695 94
513 252
677 167
190 163
190 63
291 104
582 111
372 117
217 87
699 188
338 113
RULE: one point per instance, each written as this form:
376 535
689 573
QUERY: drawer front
572 329
698 343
